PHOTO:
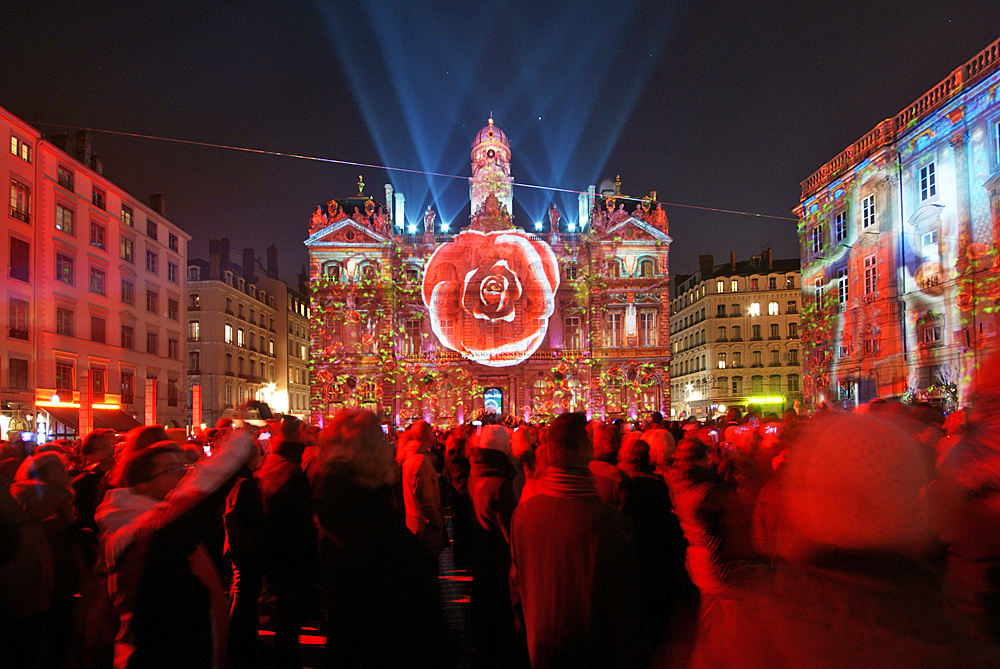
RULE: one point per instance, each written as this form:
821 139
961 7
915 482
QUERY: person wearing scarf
574 569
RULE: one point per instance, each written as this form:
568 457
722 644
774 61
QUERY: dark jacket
289 533
382 598
575 580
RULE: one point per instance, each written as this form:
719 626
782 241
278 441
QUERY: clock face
491 153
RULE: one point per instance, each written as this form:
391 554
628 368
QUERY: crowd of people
844 538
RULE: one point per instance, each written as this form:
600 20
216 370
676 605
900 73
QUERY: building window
20 259
172 272
757 385
20 201
775 331
932 334
721 357
775 357
172 393
754 284
756 359
229 395
17 377
754 309
720 286
793 383
735 310
818 287
194 274
173 348
18 318
789 282
173 309
270 347
64 269
229 363
793 356
194 301
64 377
755 332
647 328
99 198
151 261
614 325
65 178
194 331
772 283
720 311
240 362
734 286
98 281
152 300
127 387
194 362
646 269
411 336
128 337
793 330
127 250
868 211
737 385
816 239
152 343
928 182
772 308
64 219
871 275
20 149
721 334
240 341
127 216
128 292
840 227
97 234
229 333
151 228
172 243
98 329
843 288
737 336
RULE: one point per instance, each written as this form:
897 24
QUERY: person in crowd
852 587
98 451
658 535
661 450
421 493
289 536
965 511
42 488
456 469
582 611
492 493
613 484
135 439
173 611
522 449
381 594
244 546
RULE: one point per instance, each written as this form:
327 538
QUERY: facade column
150 401
196 410
87 405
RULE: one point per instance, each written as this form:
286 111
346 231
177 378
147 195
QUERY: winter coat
422 498
289 533
382 598
173 611
575 581
612 483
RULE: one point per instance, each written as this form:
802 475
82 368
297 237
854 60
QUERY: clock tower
490 168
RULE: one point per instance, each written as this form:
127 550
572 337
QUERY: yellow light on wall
778 399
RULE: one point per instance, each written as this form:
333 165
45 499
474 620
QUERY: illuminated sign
490 295
493 400
766 400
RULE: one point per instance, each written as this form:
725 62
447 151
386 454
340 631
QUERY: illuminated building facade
734 332
93 293
246 335
441 325
900 236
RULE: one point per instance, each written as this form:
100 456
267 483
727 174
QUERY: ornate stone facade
442 326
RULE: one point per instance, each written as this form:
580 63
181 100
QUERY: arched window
646 268
774 384
757 385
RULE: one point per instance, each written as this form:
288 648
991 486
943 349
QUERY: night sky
720 105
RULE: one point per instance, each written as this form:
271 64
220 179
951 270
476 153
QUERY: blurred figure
135 439
289 537
492 493
456 463
98 452
853 588
421 493
965 510
574 574
173 611
612 483
382 597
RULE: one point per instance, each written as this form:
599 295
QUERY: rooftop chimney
272 261
214 248
706 264
158 203
224 264
83 148
732 261
97 164
249 275
769 255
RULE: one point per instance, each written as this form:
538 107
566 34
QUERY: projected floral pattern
490 295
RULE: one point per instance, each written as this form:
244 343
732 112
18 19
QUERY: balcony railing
20 214
18 334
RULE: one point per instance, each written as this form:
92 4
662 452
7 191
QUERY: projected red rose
490 295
